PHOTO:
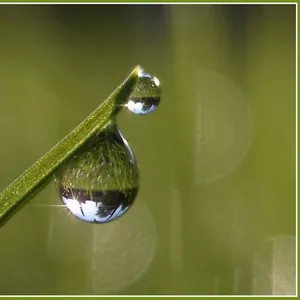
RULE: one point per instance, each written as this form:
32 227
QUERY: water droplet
146 95
100 195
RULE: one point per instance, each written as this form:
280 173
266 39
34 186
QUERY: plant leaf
18 192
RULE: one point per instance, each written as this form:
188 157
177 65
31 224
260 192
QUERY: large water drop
100 182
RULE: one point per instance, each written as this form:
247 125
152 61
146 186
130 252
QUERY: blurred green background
215 213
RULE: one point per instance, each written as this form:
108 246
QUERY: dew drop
104 177
146 95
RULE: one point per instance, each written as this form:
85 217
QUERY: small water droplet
146 95
100 195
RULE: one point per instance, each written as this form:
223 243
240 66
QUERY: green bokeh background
216 209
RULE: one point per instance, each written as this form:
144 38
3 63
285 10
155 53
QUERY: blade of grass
18 192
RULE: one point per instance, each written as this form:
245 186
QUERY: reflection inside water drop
146 95
100 182
97 206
